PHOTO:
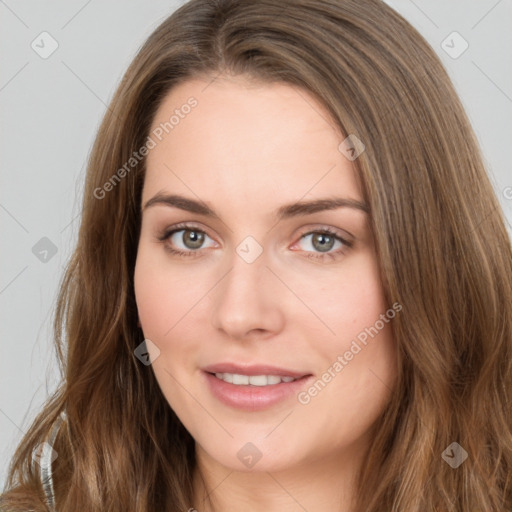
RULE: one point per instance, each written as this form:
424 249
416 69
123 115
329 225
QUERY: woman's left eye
192 240
324 240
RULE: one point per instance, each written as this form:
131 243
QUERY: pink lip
256 369
253 398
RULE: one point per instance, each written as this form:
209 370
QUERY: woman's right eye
190 238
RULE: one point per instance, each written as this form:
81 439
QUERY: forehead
247 139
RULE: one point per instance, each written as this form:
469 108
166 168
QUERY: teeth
253 380
240 379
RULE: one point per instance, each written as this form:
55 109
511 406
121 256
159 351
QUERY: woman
291 288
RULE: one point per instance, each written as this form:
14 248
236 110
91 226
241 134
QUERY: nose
247 300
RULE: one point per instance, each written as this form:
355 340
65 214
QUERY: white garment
45 458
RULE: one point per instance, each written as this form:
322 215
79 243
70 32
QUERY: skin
245 150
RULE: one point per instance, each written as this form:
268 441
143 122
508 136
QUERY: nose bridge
243 279
245 299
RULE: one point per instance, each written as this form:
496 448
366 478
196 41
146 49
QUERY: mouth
253 388
239 379
253 370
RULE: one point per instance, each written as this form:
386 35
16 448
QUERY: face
237 276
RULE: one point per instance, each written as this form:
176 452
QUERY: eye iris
326 241
193 239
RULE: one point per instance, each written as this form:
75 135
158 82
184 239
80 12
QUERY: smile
253 380
253 393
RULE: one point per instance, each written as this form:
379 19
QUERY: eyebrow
284 212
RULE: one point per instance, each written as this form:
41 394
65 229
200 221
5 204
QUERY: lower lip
254 398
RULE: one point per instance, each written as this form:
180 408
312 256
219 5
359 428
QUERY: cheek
351 302
163 300
361 356
163 294
152 302
358 362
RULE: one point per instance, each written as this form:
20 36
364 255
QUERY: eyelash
318 256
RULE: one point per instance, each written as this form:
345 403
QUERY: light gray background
51 110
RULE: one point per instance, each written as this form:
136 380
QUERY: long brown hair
443 248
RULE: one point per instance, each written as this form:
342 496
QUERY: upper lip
253 369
